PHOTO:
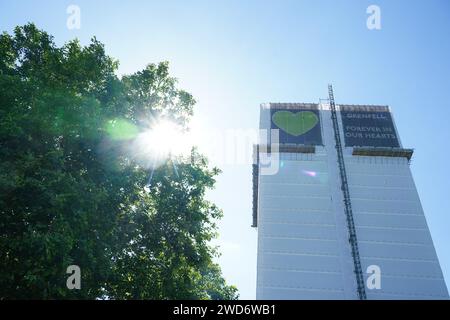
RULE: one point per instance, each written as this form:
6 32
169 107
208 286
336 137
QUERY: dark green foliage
69 194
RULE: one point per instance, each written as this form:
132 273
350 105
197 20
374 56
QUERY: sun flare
164 139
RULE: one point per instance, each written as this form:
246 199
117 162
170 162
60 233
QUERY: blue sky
233 55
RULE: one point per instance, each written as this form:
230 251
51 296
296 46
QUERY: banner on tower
368 126
297 123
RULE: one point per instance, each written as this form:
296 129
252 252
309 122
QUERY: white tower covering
304 250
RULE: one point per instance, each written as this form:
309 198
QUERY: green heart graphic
295 124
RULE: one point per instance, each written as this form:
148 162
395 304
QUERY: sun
163 140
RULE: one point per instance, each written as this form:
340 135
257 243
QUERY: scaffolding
289 148
255 178
282 147
383 152
347 202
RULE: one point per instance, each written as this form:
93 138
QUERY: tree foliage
70 194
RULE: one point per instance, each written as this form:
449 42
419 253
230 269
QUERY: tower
336 208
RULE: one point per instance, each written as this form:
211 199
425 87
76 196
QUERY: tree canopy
71 194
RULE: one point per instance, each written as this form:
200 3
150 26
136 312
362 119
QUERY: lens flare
121 129
309 173
162 140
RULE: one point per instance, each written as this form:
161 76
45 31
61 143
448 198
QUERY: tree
71 194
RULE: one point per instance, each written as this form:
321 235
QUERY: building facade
336 208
